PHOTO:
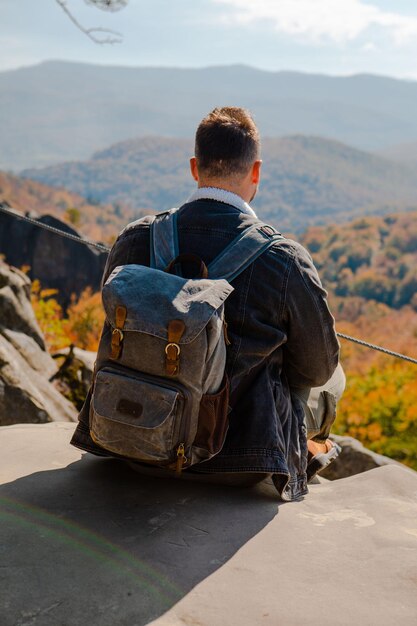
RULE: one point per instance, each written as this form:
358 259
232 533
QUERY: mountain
403 152
306 180
59 111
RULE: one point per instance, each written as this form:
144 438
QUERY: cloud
369 47
324 20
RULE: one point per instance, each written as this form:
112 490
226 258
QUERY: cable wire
378 348
103 248
52 229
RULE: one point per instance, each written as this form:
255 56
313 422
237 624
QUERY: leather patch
127 407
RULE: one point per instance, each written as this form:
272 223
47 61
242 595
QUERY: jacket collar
222 195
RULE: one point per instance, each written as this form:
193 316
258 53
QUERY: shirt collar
222 195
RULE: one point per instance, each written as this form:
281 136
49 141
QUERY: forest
369 268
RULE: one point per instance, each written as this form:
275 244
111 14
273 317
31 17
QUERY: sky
337 37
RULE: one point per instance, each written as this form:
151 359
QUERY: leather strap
189 258
176 330
117 334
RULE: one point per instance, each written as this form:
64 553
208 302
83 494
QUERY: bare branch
108 5
112 35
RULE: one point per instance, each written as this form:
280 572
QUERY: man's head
227 148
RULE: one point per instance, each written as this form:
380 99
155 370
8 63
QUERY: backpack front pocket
136 417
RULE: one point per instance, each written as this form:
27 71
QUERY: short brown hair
226 142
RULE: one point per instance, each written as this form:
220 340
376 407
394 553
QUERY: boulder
26 391
74 267
354 459
75 373
86 359
15 307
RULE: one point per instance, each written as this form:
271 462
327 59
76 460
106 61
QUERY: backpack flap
153 299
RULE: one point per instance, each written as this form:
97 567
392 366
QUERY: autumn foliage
370 270
80 325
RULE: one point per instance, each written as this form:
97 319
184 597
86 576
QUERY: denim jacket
282 338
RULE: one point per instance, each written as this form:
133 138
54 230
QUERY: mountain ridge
53 62
58 111
305 180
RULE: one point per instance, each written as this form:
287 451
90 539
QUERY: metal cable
104 248
54 230
379 348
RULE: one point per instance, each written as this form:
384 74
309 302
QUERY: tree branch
108 5
112 35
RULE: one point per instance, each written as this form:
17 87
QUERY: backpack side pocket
212 421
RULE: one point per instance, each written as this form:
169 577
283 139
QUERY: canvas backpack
160 390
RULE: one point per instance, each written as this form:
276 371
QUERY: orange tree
80 325
85 318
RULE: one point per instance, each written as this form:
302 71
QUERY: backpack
160 390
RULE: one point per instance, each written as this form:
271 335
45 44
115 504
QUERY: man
283 342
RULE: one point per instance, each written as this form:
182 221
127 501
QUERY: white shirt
222 195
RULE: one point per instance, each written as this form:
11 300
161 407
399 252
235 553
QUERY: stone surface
26 393
86 540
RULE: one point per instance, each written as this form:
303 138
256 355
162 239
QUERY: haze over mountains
403 153
59 111
306 180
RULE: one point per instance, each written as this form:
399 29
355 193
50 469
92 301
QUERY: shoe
317 462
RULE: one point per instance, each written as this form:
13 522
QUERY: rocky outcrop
57 262
354 459
26 393
87 540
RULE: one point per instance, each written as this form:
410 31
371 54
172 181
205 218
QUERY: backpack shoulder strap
243 251
164 239
233 260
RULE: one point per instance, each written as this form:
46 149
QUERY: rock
16 310
86 357
26 393
75 373
86 540
75 266
354 459
38 359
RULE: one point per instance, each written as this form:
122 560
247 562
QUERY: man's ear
256 172
193 168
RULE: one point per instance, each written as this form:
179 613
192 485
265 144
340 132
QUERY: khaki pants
319 405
